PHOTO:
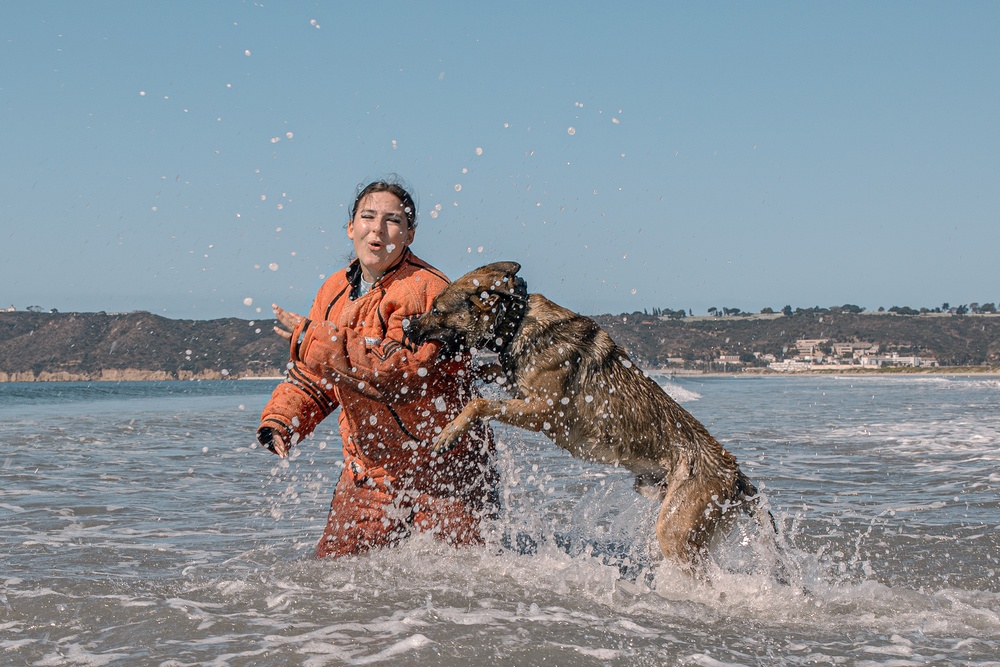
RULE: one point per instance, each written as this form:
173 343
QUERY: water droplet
273 266
571 131
248 301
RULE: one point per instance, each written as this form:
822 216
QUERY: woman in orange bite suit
350 352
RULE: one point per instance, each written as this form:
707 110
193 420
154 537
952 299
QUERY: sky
198 159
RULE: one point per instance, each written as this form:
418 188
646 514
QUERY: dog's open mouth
450 340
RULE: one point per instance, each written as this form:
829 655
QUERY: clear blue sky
190 158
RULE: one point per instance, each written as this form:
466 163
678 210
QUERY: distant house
789 366
809 346
11 309
895 359
855 350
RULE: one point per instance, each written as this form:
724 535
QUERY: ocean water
140 525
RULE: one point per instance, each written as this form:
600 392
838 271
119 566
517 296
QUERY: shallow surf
141 526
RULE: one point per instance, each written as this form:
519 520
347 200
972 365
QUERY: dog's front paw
448 438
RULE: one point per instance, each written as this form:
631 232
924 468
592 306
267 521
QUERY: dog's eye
435 311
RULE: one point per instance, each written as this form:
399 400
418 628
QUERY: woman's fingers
287 319
279 447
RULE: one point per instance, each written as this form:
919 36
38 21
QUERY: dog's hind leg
688 518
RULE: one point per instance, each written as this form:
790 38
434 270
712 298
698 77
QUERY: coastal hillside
950 340
142 346
134 346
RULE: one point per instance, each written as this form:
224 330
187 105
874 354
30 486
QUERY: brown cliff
134 346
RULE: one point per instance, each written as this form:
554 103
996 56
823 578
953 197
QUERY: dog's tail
752 504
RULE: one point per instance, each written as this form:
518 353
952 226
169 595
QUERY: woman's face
380 231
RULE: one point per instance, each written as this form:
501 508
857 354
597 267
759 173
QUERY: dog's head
467 313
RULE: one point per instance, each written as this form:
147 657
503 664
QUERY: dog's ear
502 276
508 268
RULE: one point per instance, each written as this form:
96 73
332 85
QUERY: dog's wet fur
571 382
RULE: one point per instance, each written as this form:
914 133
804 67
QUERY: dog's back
615 413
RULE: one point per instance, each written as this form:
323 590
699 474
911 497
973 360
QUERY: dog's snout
411 329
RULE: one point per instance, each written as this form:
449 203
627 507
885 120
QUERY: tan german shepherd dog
572 383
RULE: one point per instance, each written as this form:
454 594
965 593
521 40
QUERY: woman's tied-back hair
393 187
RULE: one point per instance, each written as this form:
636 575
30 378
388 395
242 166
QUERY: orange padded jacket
350 351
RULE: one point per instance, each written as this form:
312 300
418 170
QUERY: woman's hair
392 187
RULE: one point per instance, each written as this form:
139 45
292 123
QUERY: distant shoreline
956 371
130 375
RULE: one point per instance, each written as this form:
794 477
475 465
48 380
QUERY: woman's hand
278 446
287 319
273 441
